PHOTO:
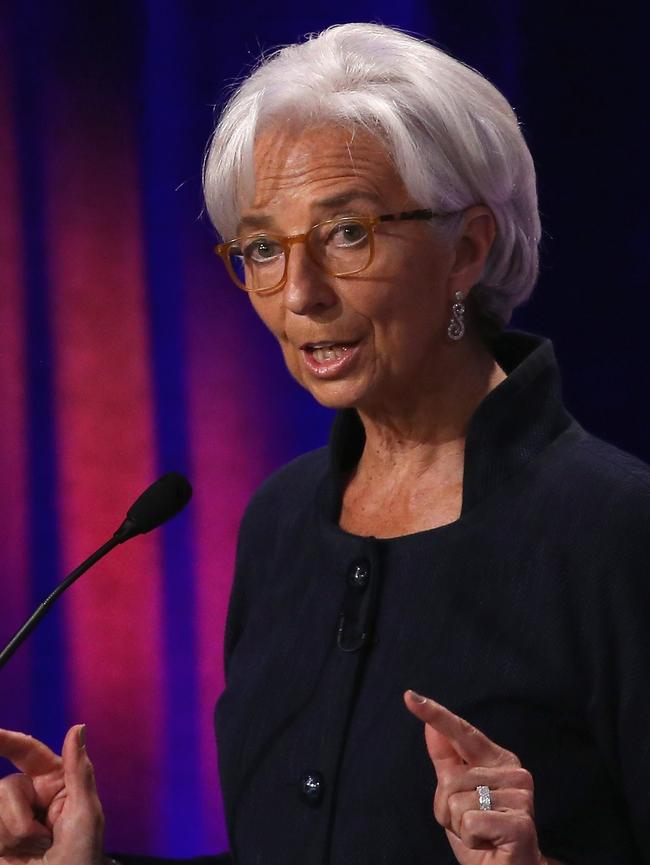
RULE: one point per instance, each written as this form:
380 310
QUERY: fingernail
417 697
82 736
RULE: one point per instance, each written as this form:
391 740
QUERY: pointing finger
28 754
470 744
441 750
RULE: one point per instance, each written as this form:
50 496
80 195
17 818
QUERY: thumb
77 769
79 829
78 772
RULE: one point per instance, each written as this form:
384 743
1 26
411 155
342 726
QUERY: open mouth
329 359
322 352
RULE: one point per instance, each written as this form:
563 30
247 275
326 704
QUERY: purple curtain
126 352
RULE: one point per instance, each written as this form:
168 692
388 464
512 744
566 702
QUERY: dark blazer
528 616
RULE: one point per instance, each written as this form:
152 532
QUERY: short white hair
452 136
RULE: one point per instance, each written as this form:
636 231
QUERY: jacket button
359 576
312 788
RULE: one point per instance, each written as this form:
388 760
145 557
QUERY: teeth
332 352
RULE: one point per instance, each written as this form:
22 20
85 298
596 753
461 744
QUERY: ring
484 798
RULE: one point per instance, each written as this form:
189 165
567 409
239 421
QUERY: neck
428 424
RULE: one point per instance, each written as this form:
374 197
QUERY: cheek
407 324
272 316
410 298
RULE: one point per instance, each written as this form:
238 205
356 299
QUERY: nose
307 290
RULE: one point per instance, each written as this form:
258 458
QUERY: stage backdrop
125 351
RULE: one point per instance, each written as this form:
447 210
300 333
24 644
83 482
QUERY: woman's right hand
51 813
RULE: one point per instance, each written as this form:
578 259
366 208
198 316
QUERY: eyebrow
335 201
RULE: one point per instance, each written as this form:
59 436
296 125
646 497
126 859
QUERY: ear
472 247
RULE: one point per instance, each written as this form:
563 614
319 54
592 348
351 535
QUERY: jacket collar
512 425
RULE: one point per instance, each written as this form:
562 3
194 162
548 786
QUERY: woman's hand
464 759
50 814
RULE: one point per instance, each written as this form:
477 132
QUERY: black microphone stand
38 614
158 503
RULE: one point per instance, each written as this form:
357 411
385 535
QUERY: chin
335 394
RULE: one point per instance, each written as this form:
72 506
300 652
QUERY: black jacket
528 616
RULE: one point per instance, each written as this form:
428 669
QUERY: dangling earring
456 328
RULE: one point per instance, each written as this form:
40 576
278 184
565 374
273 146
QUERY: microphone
157 504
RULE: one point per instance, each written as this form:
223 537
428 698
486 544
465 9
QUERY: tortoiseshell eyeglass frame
287 241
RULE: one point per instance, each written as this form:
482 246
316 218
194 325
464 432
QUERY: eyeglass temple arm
407 214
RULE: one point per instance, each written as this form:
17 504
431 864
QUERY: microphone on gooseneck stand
157 504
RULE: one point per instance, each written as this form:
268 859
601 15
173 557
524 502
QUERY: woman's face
364 340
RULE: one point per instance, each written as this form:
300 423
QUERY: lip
334 367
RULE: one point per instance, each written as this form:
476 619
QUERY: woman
461 535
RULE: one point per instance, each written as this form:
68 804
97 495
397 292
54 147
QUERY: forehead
306 166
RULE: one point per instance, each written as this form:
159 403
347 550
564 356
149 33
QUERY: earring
456 327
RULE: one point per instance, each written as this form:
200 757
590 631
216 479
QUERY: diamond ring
484 798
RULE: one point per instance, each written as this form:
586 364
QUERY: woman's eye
261 249
348 233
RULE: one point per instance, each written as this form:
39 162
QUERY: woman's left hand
464 759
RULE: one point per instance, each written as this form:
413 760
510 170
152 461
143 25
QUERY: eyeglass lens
338 247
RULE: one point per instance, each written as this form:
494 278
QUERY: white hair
452 136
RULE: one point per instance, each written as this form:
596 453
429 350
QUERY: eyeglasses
339 247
